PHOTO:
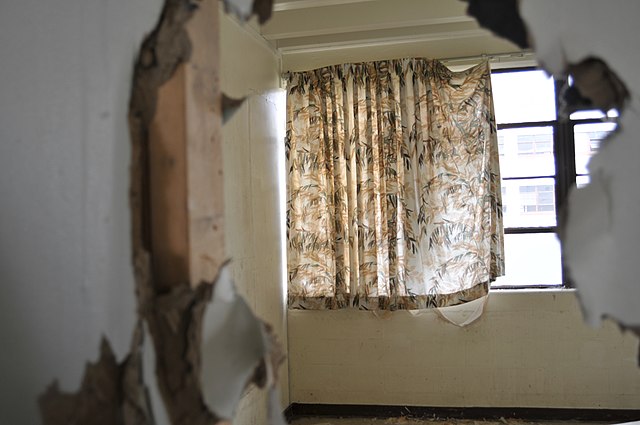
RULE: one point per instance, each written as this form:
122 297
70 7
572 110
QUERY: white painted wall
65 269
253 166
530 349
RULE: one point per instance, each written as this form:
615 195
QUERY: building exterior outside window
542 155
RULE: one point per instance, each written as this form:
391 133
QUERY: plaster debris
597 42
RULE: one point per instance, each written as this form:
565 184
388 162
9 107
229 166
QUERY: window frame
564 153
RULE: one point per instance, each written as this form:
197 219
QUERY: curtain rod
521 55
526 54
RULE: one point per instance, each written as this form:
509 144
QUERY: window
539 198
541 156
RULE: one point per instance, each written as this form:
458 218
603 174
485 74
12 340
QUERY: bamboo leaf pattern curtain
393 191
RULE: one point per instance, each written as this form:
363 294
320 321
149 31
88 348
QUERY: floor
408 421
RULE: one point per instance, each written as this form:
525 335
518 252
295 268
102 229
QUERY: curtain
393 186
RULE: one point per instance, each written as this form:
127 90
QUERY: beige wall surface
248 62
529 349
252 167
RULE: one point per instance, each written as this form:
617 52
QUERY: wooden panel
185 163
168 185
204 146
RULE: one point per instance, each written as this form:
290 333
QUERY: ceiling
314 33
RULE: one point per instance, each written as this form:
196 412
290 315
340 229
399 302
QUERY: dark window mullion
528 178
564 151
589 120
530 124
529 230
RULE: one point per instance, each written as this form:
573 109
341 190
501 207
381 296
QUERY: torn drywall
596 43
238 349
110 393
602 232
174 318
233 347
116 393
175 325
160 55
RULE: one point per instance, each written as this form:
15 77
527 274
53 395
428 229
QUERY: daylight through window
541 156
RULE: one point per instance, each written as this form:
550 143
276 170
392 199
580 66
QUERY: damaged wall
65 255
252 164
601 232
65 222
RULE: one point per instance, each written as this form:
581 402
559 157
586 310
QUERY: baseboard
299 410
288 413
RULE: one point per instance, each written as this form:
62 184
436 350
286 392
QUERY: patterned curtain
393 194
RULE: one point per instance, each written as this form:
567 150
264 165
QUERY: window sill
533 289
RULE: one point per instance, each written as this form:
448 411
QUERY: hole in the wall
596 235
173 308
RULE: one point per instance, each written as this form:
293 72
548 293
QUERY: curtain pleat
393 187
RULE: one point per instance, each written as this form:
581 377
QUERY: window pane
582 181
594 113
523 96
526 152
531 259
588 138
529 202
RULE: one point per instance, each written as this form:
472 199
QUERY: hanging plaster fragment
238 349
